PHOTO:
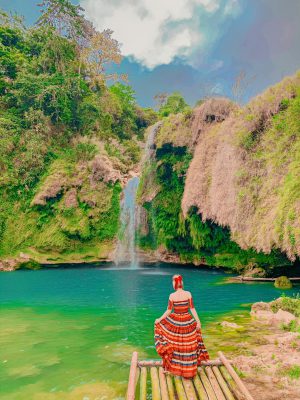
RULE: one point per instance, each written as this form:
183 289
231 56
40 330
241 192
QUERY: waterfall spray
125 251
130 210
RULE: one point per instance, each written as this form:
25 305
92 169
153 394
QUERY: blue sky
196 47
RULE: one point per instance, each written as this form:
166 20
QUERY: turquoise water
69 333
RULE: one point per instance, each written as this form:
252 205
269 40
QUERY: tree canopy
53 87
172 104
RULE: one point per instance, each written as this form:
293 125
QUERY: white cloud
232 7
155 32
216 65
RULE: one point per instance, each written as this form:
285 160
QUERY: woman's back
180 295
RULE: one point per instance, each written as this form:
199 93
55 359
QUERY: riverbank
92 253
104 253
264 345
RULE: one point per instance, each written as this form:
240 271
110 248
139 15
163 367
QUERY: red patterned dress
179 342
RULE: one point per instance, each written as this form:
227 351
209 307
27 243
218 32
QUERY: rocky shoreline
267 356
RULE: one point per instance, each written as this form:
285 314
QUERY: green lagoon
68 333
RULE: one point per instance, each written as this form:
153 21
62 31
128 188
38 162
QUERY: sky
196 47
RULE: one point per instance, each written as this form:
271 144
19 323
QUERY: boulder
262 315
23 261
283 317
24 256
8 265
263 311
260 306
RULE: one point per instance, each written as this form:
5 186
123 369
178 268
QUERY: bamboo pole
137 375
180 389
222 383
250 279
132 377
156 363
143 384
209 390
214 383
163 384
235 376
231 383
138 372
170 387
155 384
200 388
150 363
189 389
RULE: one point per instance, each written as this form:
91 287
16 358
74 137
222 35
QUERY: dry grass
212 112
176 129
245 171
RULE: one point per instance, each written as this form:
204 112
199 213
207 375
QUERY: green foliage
74 223
56 115
30 264
174 104
126 121
268 132
287 303
199 231
191 238
283 282
85 151
107 225
63 16
293 372
292 326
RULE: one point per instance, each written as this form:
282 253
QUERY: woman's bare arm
195 315
165 314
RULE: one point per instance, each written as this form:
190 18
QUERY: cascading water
149 149
130 211
125 251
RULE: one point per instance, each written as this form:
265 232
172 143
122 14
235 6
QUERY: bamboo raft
216 380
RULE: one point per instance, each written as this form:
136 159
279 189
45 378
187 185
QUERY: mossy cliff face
68 142
222 188
245 172
71 215
70 211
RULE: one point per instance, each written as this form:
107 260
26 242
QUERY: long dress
179 342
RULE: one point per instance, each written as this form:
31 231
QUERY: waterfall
125 251
130 212
149 149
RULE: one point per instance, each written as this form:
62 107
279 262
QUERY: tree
126 121
160 99
62 16
102 49
174 104
94 49
240 86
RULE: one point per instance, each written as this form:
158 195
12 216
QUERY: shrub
283 282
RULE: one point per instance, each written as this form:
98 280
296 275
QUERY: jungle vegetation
68 130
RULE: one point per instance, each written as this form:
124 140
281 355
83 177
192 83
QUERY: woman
178 338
